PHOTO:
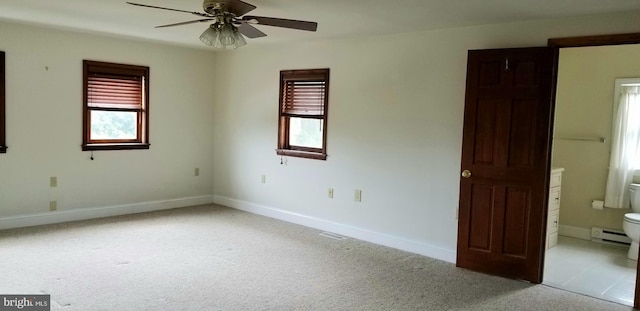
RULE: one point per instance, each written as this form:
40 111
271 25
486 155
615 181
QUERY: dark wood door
505 162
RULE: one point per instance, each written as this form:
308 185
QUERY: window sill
127 146
301 154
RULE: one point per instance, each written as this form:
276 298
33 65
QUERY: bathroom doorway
581 146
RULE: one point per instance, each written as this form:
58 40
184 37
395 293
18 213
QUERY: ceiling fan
229 22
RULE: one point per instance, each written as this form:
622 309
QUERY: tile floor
593 269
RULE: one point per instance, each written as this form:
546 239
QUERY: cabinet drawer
552 240
554 198
555 179
553 221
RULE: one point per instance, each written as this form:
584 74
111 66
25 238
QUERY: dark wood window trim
140 77
288 109
3 119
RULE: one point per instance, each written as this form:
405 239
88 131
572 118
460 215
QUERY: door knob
466 173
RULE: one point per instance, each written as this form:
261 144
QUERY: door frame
601 40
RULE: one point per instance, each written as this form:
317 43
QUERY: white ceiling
336 18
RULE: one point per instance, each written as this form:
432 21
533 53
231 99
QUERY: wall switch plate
53 182
196 172
357 195
330 193
264 179
53 205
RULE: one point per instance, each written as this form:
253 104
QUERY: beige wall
584 108
394 129
44 125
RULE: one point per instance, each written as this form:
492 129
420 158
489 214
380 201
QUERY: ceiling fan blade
281 22
239 7
158 7
250 31
186 23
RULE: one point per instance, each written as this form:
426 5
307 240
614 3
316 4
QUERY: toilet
631 224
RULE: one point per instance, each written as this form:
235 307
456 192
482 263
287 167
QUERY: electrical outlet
357 195
53 182
196 172
264 179
53 205
330 193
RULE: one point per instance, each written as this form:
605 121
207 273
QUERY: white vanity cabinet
553 219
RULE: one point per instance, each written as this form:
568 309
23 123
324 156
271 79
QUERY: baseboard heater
609 236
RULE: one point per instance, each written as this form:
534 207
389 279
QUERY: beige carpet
216 258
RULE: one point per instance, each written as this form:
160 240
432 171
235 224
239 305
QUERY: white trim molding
99 212
400 243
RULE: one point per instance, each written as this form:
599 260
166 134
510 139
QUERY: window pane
113 125
305 132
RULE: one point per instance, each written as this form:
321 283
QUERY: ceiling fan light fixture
209 36
226 16
227 35
223 37
239 39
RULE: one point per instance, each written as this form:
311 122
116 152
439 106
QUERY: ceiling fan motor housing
215 6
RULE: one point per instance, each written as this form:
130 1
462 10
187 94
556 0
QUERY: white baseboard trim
99 212
346 230
575 232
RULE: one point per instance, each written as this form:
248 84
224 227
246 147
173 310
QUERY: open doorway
589 258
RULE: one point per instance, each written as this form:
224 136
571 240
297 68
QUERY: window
304 101
3 142
116 106
625 145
